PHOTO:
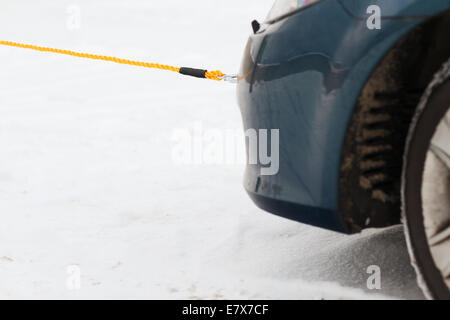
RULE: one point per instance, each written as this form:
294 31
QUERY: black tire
432 109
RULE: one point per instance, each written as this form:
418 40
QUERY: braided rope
213 75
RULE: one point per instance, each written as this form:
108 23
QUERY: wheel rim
435 196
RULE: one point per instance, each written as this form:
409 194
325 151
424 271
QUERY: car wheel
426 188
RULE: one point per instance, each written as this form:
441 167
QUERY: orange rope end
214 75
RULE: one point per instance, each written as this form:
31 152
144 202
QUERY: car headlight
283 7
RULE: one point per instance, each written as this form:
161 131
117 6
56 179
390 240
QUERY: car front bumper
303 75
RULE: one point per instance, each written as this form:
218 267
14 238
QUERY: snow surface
87 175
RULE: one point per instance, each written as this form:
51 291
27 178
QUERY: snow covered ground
88 178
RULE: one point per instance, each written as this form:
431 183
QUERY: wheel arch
372 153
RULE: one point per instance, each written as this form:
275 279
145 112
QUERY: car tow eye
198 73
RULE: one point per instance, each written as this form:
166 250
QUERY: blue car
345 104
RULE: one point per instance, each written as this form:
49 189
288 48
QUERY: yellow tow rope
199 73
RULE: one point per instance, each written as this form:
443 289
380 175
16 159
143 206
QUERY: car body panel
303 75
396 8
